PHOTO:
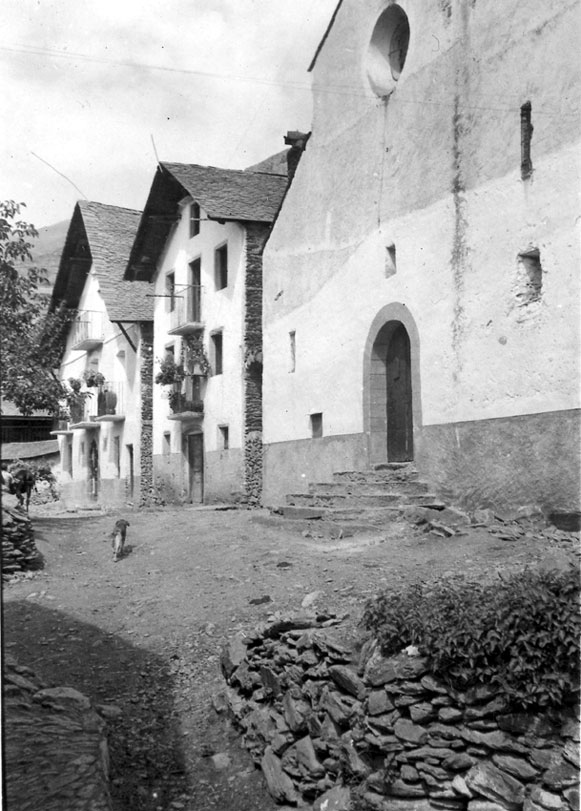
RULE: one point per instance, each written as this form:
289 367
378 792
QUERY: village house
200 244
421 295
105 435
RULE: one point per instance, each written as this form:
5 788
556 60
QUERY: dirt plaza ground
145 634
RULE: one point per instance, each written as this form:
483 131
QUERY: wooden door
195 449
94 468
400 438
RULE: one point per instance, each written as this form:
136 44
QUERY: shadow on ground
147 764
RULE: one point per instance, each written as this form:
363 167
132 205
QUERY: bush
520 633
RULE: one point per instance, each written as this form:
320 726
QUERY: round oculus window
388 49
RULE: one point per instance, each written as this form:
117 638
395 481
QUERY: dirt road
145 633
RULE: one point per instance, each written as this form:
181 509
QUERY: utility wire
331 89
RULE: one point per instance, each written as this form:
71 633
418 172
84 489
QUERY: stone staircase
361 500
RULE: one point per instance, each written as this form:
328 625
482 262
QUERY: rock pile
19 552
327 729
55 751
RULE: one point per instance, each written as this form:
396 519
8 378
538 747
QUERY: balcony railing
186 315
87 330
180 403
105 403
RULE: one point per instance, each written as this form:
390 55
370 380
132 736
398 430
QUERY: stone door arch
391 386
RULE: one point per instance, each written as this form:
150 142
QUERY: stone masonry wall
146 375
256 235
333 728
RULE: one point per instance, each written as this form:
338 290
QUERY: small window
82 450
221 267
194 220
217 352
170 292
316 425
224 437
104 444
166 446
293 350
526 134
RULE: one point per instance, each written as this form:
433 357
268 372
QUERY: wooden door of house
94 468
195 451
400 440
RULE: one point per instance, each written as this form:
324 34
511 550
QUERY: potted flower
170 373
93 379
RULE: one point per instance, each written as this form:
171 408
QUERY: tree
31 338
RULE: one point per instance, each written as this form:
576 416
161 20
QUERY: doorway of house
195 456
94 468
400 431
131 471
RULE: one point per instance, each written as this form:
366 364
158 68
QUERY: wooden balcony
87 330
185 408
106 404
186 315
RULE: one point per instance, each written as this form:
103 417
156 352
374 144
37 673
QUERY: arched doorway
398 379
391 385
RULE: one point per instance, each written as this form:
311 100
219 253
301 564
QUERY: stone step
368 516
357 500
415 487
376 476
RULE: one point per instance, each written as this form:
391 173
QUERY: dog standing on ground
118 538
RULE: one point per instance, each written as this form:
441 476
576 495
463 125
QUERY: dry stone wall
19 552
378 733
55 750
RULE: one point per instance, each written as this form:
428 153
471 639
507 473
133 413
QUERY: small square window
166 446
316 425
217 352
221 267
194 220
224 437
170 292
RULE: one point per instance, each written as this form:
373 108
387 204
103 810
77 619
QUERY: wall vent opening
530 277
293 350
390 261
526 135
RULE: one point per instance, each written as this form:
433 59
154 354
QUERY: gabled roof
100 238
223 194
231 194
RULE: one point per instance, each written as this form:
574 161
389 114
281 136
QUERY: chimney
297 142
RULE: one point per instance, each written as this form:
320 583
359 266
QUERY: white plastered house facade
105 455
421 297
199 243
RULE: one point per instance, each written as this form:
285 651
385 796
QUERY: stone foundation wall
319 720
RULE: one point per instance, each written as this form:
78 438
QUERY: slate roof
109 232
10 409
223 194
29 450
231 194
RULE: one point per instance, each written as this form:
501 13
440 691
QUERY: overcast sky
85 83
